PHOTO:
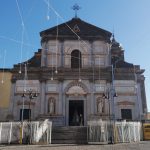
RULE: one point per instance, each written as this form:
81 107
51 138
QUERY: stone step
69 135
69 129
69 141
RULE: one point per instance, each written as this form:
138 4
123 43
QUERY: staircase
69 135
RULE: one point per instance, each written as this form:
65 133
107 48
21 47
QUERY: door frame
84 107
79 106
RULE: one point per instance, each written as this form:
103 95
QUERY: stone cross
76 7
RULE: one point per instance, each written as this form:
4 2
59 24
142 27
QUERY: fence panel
113 132
98 131
127 131
25 132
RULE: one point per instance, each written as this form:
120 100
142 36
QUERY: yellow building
5 90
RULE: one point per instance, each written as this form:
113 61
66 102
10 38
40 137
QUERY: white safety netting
113 132
25 132
127 132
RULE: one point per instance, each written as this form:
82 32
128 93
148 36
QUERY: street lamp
110 93
31 94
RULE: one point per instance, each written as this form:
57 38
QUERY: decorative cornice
25 103
126 103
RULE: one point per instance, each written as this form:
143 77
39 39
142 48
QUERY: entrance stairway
69 135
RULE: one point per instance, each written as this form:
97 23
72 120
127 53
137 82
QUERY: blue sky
128 18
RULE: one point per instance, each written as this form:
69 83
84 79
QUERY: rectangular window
126 114
26 114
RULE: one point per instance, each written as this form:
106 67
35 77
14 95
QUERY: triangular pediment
86 30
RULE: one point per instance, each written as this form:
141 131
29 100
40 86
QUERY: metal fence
25 132
105 132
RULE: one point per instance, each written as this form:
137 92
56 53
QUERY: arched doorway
76 105
76 57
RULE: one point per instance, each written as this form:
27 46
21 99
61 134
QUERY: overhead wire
19 11
16 41
22 38
48 17
52 78
22 34
57 14
99 71
80 63
56 71
78 37
23 31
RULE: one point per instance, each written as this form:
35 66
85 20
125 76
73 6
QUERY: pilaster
62 54
92 97
43 55
42 96
12 100
60 100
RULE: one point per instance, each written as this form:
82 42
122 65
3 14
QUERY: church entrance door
76 113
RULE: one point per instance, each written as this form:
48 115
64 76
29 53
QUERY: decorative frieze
51 87
99 88
21 89
25 103
125 103
26 85
125 89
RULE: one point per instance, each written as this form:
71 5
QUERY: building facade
79 74
5 88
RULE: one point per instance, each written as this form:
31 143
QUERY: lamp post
110 95
31 94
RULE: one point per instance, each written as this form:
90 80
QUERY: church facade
79 74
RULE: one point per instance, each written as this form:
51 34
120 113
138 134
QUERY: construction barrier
98 132
127 132
105 132
25 132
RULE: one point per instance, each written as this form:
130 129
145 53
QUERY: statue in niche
81 120
100 106
51 107
75 118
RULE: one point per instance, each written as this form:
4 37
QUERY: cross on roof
76 7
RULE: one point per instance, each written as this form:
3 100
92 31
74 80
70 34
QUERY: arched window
76 59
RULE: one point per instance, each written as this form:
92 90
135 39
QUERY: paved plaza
126 146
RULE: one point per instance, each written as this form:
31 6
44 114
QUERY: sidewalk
144 145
